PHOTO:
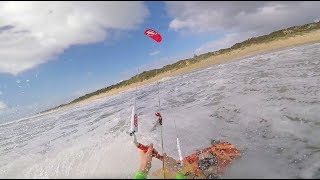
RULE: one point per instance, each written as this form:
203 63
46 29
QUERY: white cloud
225 42
154 53
3 106
32 33
88 75
156 64
82 92
247 18
240 16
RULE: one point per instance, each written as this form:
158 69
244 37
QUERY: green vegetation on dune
284 33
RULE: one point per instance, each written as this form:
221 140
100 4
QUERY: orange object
211 161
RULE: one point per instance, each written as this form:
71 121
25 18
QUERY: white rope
159 108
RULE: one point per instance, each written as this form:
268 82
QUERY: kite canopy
153 35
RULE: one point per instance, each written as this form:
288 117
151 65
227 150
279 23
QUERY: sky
54 52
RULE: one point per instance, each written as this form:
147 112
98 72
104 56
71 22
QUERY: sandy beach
308 38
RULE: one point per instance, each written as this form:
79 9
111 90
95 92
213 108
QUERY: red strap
154 153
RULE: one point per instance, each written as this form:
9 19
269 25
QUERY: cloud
155 64
32 33
83 91
154 53
226 41
88 75
242 18
3 106
1 93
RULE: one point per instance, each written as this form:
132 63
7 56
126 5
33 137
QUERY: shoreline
252 50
